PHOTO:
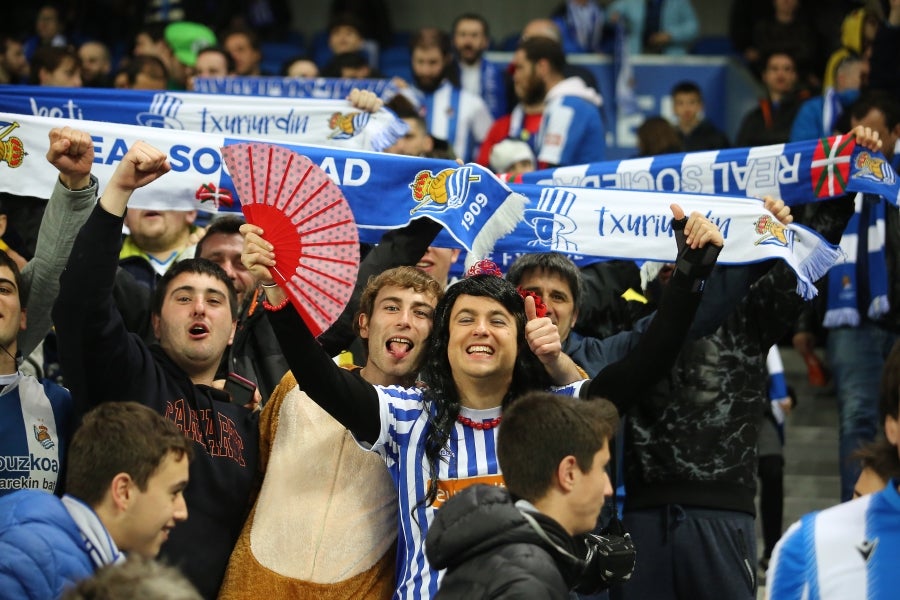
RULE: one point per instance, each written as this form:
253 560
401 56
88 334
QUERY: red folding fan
306 218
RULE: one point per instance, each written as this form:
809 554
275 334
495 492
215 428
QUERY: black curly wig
441 397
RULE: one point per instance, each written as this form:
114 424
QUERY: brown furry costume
325 523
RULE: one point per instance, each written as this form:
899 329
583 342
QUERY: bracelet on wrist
81 189
275 307
269 286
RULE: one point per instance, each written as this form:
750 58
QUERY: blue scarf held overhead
798 172
294 120
387 191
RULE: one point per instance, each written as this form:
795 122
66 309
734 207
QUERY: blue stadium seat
274 54
394 62
713 45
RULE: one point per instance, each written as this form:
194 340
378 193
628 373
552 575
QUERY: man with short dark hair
770 122
696 132
519 542
243 46
471 39
128 469
571 130
193 315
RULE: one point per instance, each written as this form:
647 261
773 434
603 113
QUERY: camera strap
575 560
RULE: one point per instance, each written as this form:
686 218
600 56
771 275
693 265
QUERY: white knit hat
507 153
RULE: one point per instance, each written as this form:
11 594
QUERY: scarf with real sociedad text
329 122
473 206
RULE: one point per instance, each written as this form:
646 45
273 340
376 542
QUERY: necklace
489 424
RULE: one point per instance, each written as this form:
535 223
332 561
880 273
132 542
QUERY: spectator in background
657 26
48 28
151 41
789 29
96 65
243 46
657 135
512 157
145 73
416 141
351 65
459 117
583 26
742 19
213 61
300 66
345 34
818 116
771 121
186 39
373 14
571 130
858 31
471 39
862 299
57 67
13 64
695 130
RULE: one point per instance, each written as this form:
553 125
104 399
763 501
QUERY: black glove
694 263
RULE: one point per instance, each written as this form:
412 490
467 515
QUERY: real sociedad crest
873 168
773 232
345 126
446 189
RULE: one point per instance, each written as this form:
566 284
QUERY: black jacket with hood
490 550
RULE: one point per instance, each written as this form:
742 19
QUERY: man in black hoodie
518 542
193 315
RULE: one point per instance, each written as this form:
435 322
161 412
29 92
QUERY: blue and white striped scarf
853 280
295 120
797 172
470 202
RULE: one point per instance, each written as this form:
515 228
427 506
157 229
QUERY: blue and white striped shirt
469 457
459 117
848 551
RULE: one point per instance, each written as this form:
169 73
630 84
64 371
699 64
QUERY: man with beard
571 131
452 114
13 64
471 38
